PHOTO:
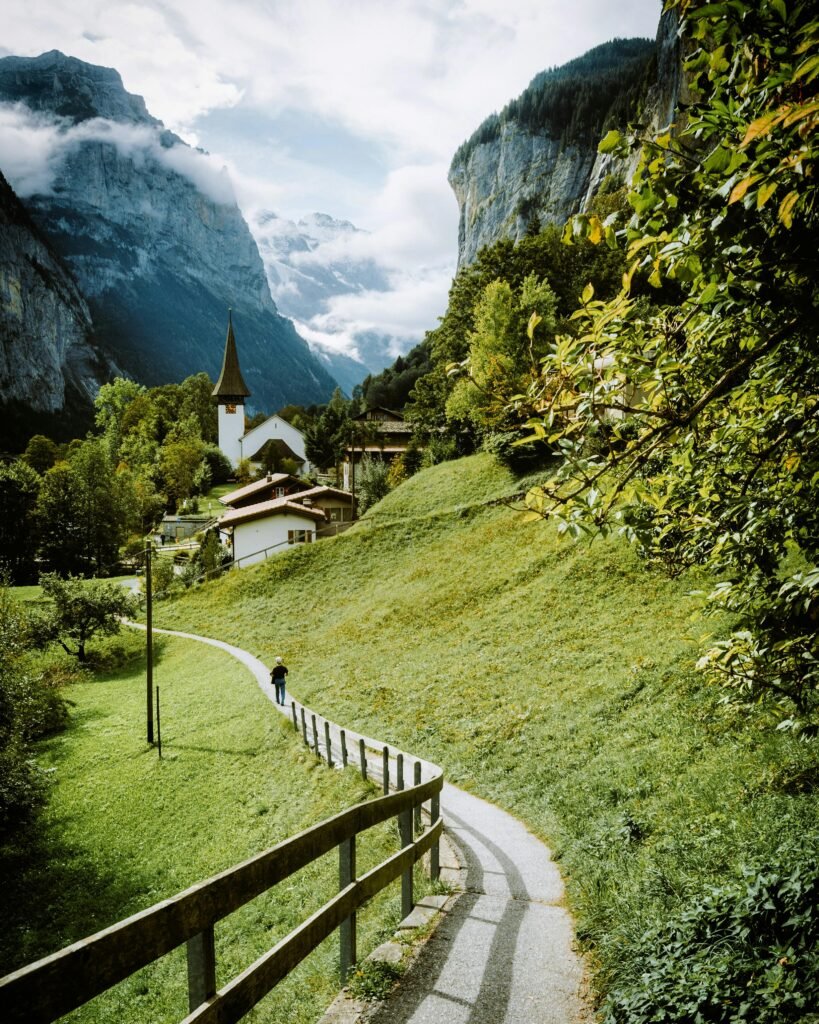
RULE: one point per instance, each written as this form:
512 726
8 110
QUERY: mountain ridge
151 232
536 162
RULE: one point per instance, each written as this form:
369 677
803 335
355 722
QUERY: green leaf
588 294
765 193
786 208
708 294
610 141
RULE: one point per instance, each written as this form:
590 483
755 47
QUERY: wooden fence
57 984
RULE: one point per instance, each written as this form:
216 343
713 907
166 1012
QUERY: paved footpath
503 953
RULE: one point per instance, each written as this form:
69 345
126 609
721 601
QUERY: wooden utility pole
149 649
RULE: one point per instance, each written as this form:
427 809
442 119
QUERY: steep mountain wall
154 237
47 358
536 162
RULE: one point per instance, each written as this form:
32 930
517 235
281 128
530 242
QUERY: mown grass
124 829
555 679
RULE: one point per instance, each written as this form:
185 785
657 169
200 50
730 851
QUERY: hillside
555 679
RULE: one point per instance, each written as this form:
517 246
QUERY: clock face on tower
230 407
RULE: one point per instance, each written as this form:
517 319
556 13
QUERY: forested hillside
578 101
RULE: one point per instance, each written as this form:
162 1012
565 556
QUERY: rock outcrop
537 162
153 235
50 369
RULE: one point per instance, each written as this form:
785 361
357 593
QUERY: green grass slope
123 830
552 678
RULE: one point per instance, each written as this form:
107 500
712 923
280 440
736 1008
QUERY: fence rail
46 990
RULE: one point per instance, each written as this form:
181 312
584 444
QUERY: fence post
201 968
304 728
416 781
328 743
158 725
343 748
295 720
347 937
385 760
315 736
434 853
362 753
405 832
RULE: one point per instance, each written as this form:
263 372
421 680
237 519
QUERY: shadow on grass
54 894
169 745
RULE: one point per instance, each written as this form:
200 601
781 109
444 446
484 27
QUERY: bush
28 710
218 463
373 482
743 952
520 458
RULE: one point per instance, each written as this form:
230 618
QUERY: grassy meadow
123 829
555 679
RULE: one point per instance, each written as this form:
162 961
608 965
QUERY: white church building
230 393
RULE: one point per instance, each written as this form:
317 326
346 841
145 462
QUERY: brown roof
391 414
231 383
277 507
258 486
281 447
322 492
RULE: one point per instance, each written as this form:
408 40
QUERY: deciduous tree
81 609
694 426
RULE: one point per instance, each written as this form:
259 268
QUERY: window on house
299 536
279 492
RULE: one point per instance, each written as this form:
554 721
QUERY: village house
261 522
377 433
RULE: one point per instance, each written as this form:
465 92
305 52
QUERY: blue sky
349 107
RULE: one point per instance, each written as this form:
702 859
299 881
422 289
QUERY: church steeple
230 388
230 393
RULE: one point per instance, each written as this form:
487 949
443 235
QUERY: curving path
503 952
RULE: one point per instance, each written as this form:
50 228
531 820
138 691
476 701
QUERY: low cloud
33 148
29 151
410 307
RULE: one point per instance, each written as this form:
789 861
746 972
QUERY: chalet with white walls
256 532
262 522
230 393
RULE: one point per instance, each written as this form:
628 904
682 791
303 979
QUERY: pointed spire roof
231 384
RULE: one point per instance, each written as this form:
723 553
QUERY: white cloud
410 307
29 154
33 146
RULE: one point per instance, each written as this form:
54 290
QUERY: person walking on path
277 677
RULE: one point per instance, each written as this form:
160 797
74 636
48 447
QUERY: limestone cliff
47 358
152 233
536 162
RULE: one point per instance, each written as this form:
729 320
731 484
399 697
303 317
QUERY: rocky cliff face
537 162
47 358
154 237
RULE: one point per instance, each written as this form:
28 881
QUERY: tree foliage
542 258
693 426
19 489
81 609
